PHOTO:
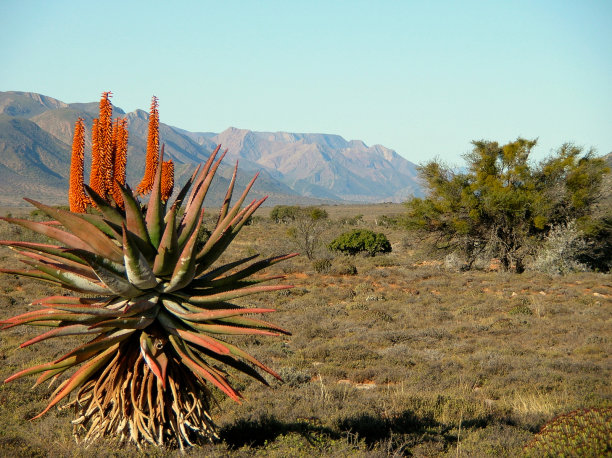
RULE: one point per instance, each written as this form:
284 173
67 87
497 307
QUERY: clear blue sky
424 78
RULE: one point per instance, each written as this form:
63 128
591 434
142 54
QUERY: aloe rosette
150 293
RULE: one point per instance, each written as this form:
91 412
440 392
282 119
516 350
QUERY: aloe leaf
229 295
218 374
186 266
64 237
230 330
168 250
69 300
200 177
201 340
141 304
42 367
116 282
154 358
197 288
217 314
246 272
48 374
110 213
70 330
200 369
222 230
190 218
67 278
90 234
101 224
138 270
32 274
56 324
54 250
100 343
211 251
228 195
254 323
66 361
62 264
236 208
138 322
44 315
185 189
173 306
135 223
232 361
215 273
80 377
154 217
235 351
92 310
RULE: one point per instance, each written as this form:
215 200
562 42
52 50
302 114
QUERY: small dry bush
561 250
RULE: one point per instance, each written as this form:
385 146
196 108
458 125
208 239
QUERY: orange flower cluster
167 179
109 158
120 144
77 198
101 179
152 159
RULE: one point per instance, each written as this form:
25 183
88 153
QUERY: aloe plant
156 304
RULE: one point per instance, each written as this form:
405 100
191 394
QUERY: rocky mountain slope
36 133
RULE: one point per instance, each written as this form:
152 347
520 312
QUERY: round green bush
361 241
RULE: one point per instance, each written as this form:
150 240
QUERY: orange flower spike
120 143
105 134
146 184
167 179
95 176
76 195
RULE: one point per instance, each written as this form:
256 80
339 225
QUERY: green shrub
361 241
584 432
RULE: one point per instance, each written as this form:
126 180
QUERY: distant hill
32 162
36 134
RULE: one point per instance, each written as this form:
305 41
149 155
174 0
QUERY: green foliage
584 432
504 205
290 213
284 213
361 241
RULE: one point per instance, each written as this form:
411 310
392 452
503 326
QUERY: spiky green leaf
97 241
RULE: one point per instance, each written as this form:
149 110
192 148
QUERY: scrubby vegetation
390 355
306 226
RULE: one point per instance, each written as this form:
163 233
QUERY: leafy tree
503 204
361 241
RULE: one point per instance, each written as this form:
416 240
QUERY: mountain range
36 134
